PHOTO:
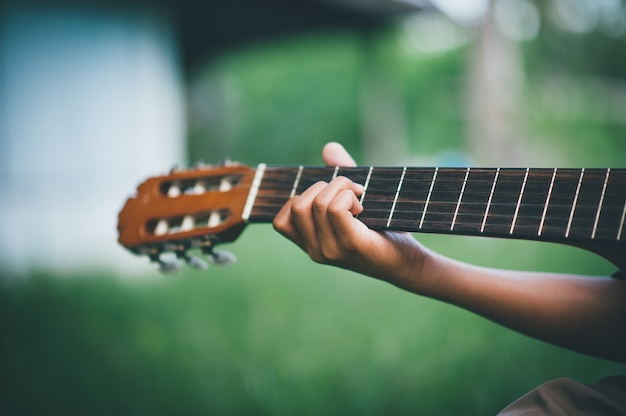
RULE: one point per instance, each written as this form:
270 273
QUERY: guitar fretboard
539 204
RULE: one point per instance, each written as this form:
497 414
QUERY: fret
381 189
278 185
356 175
532 203
535 188
595 223
519 201
571 214
475 198
458 203
589 197
395 198
254 188
412 198
545 208
611 219
621 224
543 204
439 213
430 192
504 201
493 188
583 208
367 182
296 181
379 199
560 204
312 175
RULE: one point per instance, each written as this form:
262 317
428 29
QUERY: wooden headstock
195 208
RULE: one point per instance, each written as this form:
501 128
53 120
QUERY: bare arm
585 314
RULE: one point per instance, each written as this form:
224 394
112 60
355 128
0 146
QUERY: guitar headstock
186 209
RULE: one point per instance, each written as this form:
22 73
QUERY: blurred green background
275 333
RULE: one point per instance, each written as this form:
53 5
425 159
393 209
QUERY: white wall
91 103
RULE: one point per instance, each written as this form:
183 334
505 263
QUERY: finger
334 154
341 217
338 185
340 194
283 223
302 217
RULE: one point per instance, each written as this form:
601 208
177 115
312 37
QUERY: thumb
334 154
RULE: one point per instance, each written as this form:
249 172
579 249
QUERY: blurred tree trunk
494 98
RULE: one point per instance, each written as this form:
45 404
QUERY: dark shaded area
208 29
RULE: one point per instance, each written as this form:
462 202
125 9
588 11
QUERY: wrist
427 273
414 271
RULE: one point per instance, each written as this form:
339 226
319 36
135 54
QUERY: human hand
322 222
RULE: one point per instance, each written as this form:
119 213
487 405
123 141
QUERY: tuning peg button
222 257
195 262
226 161
169 266
166 266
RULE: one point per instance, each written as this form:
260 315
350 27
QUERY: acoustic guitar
204 206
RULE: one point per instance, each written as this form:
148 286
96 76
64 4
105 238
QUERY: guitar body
206 206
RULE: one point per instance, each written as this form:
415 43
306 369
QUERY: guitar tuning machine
170 257
194 261
166 266
226 161
219 257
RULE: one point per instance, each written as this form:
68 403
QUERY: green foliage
271 334
281 102
574 100
435 107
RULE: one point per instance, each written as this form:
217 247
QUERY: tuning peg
169 266
219 257
197 263
222 257
226 161
194 261
166 266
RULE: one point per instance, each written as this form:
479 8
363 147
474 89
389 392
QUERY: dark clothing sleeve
566 397
619 275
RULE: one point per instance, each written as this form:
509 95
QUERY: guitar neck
205 206
573 206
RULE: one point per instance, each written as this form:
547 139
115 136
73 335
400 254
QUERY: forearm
585 314
580 313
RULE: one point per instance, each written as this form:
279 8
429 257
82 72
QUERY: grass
272 334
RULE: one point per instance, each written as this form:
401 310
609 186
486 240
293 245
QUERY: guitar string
381 214
390 171
502 194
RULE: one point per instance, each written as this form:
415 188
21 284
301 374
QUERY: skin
581 313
